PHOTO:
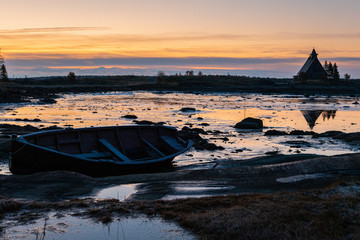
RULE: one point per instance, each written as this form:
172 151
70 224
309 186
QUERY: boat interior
131 143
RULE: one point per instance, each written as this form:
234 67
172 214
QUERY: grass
328 213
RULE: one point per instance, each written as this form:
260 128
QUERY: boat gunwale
22 140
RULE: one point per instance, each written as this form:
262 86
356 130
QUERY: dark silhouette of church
312 69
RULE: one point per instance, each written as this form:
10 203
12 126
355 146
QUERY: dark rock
273 152
298 143
129 116
47 101
188 109
327 134
356 102
187 133
28 120
204 124
250 123
200 118
275 133
144 122
199 130
301 132
348 137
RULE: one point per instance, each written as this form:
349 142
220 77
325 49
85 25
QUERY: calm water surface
213 112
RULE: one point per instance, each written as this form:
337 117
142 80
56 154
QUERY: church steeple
313 54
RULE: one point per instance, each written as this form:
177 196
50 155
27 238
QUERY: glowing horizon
43 32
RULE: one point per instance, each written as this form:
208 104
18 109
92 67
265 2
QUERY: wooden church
312 69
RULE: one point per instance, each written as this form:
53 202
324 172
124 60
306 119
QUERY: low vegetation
328 213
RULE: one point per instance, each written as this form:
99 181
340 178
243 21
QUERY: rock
275 133
129 116
273 152
144 122
348 137
193 134
250 123
27 120
188 109
356 102
301 132
327 134
297 143
47 100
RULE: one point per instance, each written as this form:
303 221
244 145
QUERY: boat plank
112 149
95 155
154 148
172 142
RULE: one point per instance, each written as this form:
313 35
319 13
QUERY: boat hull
28 158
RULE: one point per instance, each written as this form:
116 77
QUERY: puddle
66 227
121 192
196 190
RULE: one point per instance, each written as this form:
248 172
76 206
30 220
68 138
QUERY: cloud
53 29
150 61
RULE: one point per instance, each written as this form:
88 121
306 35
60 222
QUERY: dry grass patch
301 215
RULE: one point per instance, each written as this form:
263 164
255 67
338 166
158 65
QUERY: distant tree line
3 72
332 71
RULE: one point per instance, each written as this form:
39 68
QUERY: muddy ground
277 197
274 197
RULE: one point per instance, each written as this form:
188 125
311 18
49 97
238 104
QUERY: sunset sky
254 37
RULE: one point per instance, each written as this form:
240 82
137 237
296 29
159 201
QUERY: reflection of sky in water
220 111
64 227
120 192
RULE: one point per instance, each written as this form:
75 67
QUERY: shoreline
20 90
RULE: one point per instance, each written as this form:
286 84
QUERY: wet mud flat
272 197
227 192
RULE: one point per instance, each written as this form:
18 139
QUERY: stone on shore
250 123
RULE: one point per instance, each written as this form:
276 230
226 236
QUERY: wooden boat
97 151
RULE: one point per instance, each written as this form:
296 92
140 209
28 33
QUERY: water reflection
64 227
312 115
216 114
329 114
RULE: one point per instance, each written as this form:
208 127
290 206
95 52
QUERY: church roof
310 62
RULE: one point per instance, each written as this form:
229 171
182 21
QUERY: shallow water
213 112
63 227
120 192
220 112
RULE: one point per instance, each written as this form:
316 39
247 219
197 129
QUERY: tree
189 73
332 71
200 74
335 72
71 76
347 77
160 77
3 73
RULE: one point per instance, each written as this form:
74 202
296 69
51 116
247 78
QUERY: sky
241 37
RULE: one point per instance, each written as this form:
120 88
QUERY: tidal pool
215 113
64 227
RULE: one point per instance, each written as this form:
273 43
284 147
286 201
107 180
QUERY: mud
256 175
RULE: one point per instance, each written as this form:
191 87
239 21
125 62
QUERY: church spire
313 54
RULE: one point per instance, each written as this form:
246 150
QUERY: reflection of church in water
312 115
